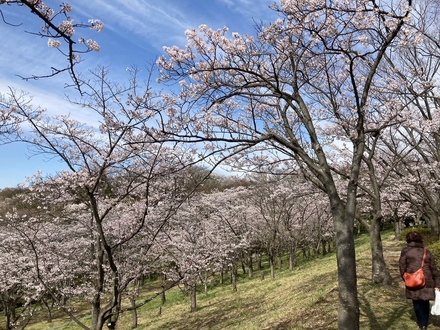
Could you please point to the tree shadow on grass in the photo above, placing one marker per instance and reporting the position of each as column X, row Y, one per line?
column 392, row 320
column 207, row 320
column 435, row 321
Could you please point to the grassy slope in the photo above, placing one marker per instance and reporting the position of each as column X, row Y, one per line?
column 303, row 299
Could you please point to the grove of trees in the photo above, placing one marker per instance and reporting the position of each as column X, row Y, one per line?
column 330, row 111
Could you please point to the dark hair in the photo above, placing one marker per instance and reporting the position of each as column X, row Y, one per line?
column 414, row 237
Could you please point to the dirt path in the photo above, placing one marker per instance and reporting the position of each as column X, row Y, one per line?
column 391, row 251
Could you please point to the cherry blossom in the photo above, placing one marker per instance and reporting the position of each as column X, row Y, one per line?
column 268, row 98
column 59, row 28
column 98, row 221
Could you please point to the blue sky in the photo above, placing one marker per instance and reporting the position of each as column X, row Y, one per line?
column 135, row 32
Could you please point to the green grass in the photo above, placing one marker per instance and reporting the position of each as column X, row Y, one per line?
column 306, row 298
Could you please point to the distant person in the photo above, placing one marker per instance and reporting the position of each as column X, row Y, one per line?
column 410, row 261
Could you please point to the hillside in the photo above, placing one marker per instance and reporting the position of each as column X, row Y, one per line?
column 303, row 299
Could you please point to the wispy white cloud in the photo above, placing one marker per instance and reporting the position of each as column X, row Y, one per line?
column 250, row 9
column 150, row 24
column 135, row 32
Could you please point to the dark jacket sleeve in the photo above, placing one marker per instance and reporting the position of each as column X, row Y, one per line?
column 434, row 270
column 402, row 261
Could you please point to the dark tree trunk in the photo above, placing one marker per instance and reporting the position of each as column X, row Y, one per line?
column 348, row 313
column 318, row 247
column 193, row 295
column 49, row 309
column 134, row 315
column 163, row 287
column 272, row 265
column 234, row 277
column 292, row 256
column 205, row 282
column 163, row 295
column 96, row 309
column 7, row 312
column 380, row 273
column 250, row 265
column 397, row 224
column 434, row 222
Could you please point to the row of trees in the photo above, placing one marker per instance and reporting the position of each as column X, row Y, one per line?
column 58, row 248
column 360, row 75
column 316, row 76
column 342, row 94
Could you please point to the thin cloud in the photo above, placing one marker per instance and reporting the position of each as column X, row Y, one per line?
column 135, row 32
column 150, row 25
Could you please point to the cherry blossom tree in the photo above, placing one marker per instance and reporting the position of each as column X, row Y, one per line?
column 373, row 184
column 206, row 235
column 15, row 279
column 235, row 221
column 273, row 211
column 217, row 230
column 396, row 209
column 417, row 63
column 286, row 94
column 374, row 179
column 191, row 250
column 10, row 121
column 294, row 214
column 276, row 204
column 314, row 221
column 59, row 29
column 102, row 214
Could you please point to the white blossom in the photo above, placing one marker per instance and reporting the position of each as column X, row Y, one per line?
column 53, row 43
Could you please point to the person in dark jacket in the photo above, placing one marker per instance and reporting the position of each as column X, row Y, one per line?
column 410, row 261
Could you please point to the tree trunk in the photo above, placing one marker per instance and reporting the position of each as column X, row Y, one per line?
column 205, row 282
column 292, row 256
column 433, row 222
column 380, row 273
column 272, row 266
column 96, row 309
column 49, row 309
column 163, row 295
column 193, row 294
column 250, row 265
column 348, row 313
column 8, row 317
column 234, row 277
column 134, row 315
column 163, row 287
column 9, row 306
column 317, row 248
column 291, row 262
column 397, row 224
